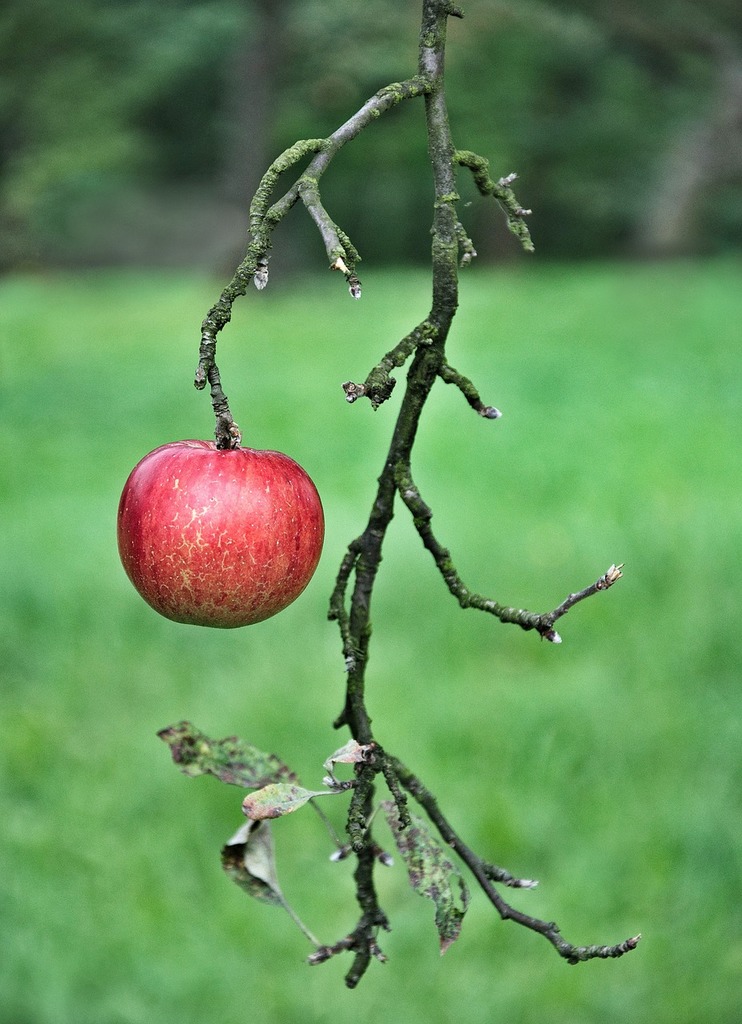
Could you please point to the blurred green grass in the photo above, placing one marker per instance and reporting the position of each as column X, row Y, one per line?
column 609, row 768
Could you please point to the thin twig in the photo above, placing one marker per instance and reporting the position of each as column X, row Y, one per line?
column 450, row 376
column 486, row 874
column 379, row 384
column 542, row 622
column 264, row 219
column 501, row 191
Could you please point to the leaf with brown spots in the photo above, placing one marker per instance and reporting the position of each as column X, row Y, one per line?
column 230, row 760
column 282, row 798
column 431, row 873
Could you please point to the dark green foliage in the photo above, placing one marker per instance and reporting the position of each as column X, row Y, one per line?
column 118, row 121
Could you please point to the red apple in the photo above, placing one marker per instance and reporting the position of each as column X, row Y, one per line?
column 219, row 538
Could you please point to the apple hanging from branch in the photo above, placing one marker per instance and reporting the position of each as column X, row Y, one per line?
column 219, row 537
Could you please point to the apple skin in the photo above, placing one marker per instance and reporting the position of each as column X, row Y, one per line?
column 219, row 538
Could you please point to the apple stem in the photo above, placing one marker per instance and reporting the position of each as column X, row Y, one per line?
column 226, row 432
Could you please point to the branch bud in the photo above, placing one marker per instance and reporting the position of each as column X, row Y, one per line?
column 342, row 853
column 353, row 391
column 260, row 277
column 609, row 578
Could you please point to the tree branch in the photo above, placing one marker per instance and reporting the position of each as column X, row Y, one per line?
column 543, row 623
column 501, row 191
column 341, row 252
column 379, row 384
column 363, row 939
column 426, row 344
column 486, row 874
column 450, row 376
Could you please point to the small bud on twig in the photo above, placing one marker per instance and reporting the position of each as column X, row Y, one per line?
column 353, row 391
column 342, row 853
column 260, row 277
column 610, row 577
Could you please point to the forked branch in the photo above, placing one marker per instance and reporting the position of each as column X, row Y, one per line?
column 424, row 347
column 425, row 344
column 266, row 215
column 487, row 874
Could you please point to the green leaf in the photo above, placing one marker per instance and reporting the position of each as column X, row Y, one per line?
column 431, row 873
column 281, row 798
column 229, row 760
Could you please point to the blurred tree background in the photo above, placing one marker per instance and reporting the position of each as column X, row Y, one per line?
column 135, row 132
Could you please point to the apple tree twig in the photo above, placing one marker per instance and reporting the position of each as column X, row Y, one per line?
column 265, row 216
